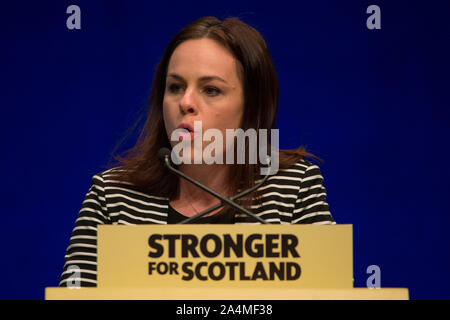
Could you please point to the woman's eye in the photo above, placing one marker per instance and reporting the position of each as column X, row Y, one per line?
column 212, row 91
column 173, row 88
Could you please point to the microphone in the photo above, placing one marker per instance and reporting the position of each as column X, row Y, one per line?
column 164, row 156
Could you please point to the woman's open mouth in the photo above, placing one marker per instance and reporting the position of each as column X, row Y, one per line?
column 186, row 134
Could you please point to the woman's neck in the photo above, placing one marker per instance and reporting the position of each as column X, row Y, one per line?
column 214, row 177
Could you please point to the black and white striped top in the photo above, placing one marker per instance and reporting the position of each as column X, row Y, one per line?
column 294, row 195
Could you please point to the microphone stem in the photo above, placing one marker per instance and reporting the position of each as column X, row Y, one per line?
column 239, row 195
column 223, row 199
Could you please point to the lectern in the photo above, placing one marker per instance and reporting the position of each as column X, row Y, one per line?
column 225, row 262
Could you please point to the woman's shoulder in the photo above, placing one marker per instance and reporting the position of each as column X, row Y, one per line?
column 291, row 179
column 301, row 169
column 112, row 182
column 111, row 175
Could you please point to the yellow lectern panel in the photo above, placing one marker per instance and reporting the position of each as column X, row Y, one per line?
column 225, row 294
column 225, row 256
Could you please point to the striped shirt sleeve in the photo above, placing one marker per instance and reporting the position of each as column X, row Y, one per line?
column 80, row 268
column 311, row 206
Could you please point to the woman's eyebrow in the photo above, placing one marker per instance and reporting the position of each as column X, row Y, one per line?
column 201, row 79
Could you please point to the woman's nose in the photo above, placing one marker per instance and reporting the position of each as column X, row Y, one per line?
column 187, row 103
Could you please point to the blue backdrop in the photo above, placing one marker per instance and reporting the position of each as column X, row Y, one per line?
column 374, row 104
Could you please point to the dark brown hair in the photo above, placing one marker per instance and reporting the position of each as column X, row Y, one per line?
column 140, row 164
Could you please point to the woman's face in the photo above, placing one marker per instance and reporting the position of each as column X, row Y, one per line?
column 202, row 84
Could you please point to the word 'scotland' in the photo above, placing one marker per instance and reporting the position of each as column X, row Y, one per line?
column 238, row 257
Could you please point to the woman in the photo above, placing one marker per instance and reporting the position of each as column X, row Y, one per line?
column 219, row 73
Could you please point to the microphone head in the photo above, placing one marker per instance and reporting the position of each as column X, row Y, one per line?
column 163, row 153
